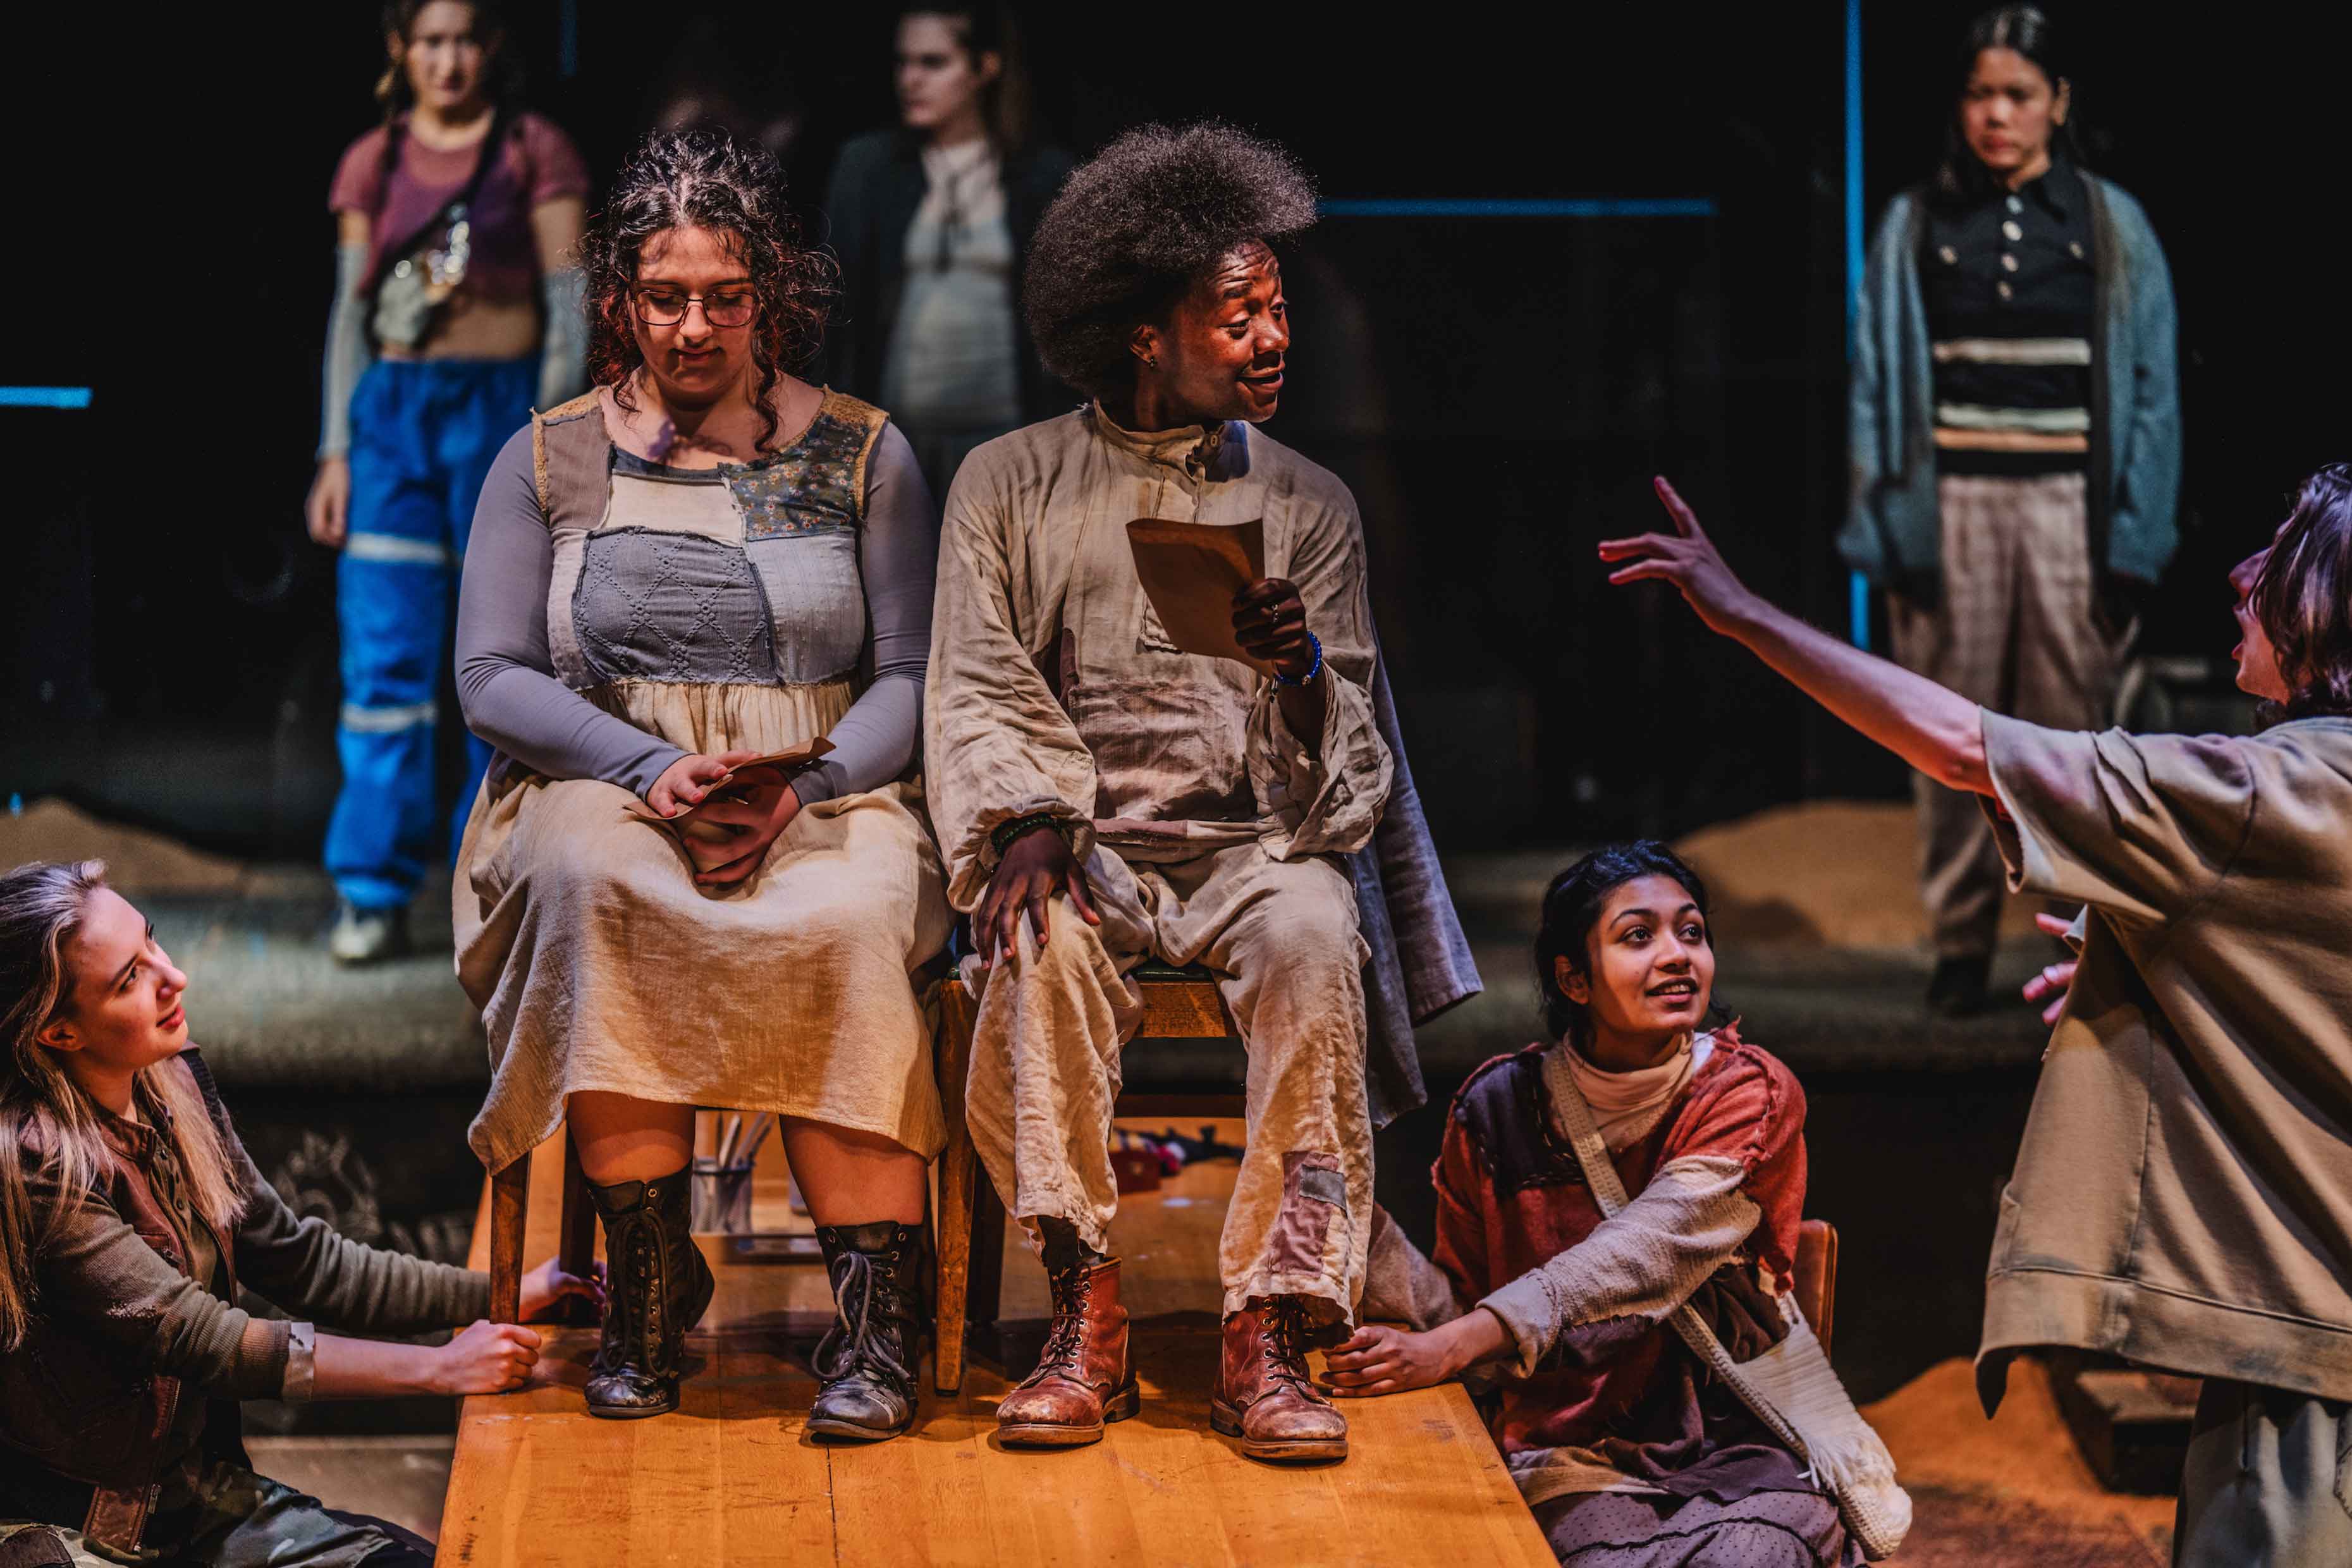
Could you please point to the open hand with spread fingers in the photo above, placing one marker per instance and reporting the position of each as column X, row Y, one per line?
column 1685, row 558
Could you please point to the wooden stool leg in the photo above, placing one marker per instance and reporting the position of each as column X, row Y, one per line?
column 509, row 1213
column 959, row 1166
column 987, row 1252
column 575, row 1246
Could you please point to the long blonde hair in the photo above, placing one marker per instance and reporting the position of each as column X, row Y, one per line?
column 48, row 1128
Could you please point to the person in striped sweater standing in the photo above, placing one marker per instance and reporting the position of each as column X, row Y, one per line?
column 2015, row 439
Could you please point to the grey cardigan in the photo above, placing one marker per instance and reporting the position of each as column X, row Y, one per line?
column 1893, row 532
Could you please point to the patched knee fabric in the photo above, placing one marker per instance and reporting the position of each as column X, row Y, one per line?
column 1281, row 937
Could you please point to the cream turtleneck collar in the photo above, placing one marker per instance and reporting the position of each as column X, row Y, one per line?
column 1626, row 1105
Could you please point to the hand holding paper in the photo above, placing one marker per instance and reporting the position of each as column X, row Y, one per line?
column 740, row 812
column 1193, row 572
column 1270, row 623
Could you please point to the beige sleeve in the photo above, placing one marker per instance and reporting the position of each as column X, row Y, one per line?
column 1327, row 801
column 996, row 744
column 1643, row 1261
column 2139, row 825
column 1401, row 1285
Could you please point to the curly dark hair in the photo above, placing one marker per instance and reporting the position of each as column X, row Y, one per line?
column 1573, row 903
column 2303, row 599
column 704, row 178
column 1136, row 226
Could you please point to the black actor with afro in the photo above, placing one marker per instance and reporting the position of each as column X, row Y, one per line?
column 1138, row 225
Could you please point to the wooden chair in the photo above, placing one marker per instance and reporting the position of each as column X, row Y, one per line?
column 1179, row 1004
column 1816, row 1287
column 575, row 1248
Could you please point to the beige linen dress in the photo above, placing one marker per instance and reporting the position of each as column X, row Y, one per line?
column 709, row 610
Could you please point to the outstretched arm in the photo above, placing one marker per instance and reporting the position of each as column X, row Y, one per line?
column 1937, row 730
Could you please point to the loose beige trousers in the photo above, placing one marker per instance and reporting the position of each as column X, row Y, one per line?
column 1045, row 1060
column 2017, row 633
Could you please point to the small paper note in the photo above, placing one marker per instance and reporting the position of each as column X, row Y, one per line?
column 737, row 783
column 1192, row 572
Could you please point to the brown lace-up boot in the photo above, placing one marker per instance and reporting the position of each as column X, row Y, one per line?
column 1264, row 1396
column 1083, row 1377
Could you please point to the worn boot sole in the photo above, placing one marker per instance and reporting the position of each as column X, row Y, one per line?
column 850, row 1431
column 631, row 1412
column 1123, row 1403
column 1226, row 1420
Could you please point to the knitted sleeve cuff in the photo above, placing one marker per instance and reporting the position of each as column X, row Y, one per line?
column 1530, row 1309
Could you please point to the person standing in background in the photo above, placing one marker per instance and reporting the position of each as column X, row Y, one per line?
column 456, row 304
column 932, row 222
column 2014, row 440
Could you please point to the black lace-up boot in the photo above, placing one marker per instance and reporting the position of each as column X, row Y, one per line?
column 657, row 1287
column 867, row 1360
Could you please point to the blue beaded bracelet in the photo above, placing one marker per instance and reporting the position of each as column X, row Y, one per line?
column 1308, row 678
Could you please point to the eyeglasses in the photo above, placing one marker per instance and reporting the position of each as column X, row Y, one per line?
column 668, row 307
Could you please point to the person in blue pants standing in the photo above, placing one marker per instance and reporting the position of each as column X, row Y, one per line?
column 456, row 309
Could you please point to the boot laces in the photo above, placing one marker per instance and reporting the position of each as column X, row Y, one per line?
column 633, row 1309
column 865, row 1346
column 1067, row 1340
column 1284, row 1345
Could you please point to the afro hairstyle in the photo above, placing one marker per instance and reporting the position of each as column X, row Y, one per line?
column 1137, row 224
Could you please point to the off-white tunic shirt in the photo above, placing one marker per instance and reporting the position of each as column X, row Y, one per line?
column 1053, row 688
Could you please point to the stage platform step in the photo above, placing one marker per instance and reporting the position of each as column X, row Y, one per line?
column 733, row 1478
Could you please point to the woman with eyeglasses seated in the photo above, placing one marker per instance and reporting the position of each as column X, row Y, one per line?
column 701, row 562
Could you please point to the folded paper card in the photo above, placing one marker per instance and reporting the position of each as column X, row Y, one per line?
column 737, row 783
column 1192, row 572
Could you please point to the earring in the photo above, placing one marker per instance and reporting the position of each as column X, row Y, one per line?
column 1151, row 361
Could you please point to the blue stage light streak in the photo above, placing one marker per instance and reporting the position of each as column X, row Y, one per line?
column 1519, row 206
column 44, row 396
column 1857, row 588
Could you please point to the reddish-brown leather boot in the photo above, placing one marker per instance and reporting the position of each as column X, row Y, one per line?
column 1083, row 1377
column 1264, row 1396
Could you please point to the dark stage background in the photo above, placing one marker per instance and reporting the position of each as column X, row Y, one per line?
column 1497, row 390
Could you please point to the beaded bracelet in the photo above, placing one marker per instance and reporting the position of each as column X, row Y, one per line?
column 1315, row 669
column 1001, row 839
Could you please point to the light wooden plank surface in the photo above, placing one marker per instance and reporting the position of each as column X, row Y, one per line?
column 733, row 1477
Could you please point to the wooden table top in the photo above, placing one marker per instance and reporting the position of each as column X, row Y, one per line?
column 733, row 1477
